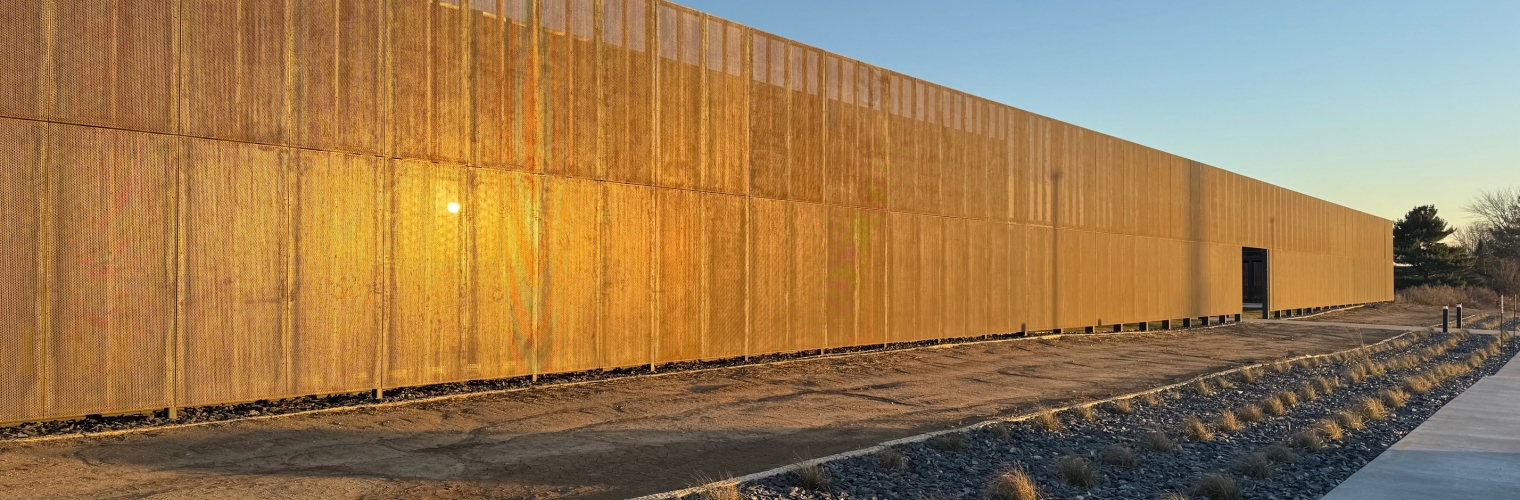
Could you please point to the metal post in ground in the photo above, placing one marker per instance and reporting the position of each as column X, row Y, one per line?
column 1459, row 316
column 1445, row 318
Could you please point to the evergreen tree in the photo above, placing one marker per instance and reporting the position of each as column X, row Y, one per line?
column 1418, row 245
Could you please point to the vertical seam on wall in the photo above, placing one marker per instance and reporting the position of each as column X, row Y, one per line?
column 652, row 44
column 182, row 157
column 536, row 61
column 287, row 164
column 46, row 236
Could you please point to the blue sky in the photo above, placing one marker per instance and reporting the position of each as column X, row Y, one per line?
column 1376, row 105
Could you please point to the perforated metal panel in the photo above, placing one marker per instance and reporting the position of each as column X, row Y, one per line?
column 216, row 201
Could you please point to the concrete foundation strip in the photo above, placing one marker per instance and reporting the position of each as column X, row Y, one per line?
column 466, row 395
column 1017, row 418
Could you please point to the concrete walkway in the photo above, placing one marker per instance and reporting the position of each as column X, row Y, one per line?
column 1469, row 449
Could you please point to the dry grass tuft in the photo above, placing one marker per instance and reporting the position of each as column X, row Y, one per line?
column 726, row 490
column 1307, row 392
column 1048, row 420
column 1289, row 398
column 1122, row 407
column 1273, row 406
column 1373, row 409
column 1248, row 375
column 1395, row 398
column 951, row 442
column 1256, row 465
column 1158, row 441
column 1283, row 366
column 1217, row 486
column 813, row 477
column 1280, row 454
column 1330, row 429
column 1122, row 456
column 1418, row 384
column 1224, row 383
column 1227, row 422
column 1172, row 495
column 1325, row 385
column 1085, row 412
column 1203, row 388
column 1077, row 471
column 1013, row 485
column 1001, row 432
column 1150, row 399
column 891, row 459
column 1196, row 431
column 1307, row 439
column 1349, row 419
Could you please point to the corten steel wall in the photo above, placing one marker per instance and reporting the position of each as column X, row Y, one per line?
column 216, row 201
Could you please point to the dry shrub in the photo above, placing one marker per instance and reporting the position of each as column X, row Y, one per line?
column 1280, row 454
column 1122, row 456
column 1085, row 412
column 1121, row 406
column 1048, row 420
column 1000, row 431
column 1330, row 430
column 1172, row 495
column 1227, row 422
column 1013, row 485
column 1249, row 413
column 1395, row 398
column 1158, row 441
column 1418, row 384
column 1224, row 383
column 1283, row 366
column 1256, row 465
column 1289, row 398
column 891, row 459
column 813, row 477
column 1150, row 399
column 1307, row 439
column 1307, row 392
column 1248, row 375
column 1356, row 374
column 1196, row 431
column 1273, row 406
column 1349, row 420
column 1203, row 388
column 1325, row 385
column 951, row 442
column 1217, row 486
column 1373, row 409
column 726, row 490
column 1077, row 471
column 1469, row 296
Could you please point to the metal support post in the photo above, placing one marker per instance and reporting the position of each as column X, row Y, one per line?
column 1445, row 319
column 1459, row 316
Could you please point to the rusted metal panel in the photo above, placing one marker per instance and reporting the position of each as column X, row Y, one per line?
column 337, row 293
column 772, row 262
column 724, row 276
column 234, row 71
column 903, row 278
column 112, row 62
column 111, row 253
column 628, row 313
column 236, row 343
column 871, row 277
column 22, row 187
column 809, row 297
column 24, row 78
column 574, row 214
column 505, row 276
column 680, row 269
column 427, row 275
column 843, row 255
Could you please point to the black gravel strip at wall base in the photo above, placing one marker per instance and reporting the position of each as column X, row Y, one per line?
column 230, row 412
column 933, row 473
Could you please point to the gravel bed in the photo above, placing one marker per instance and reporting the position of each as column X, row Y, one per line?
column 229, row 412
column 931, row 472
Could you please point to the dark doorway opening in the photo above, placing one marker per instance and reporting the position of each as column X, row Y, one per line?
column 1253, row 264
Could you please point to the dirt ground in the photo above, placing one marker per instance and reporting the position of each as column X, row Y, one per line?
column 639, row 435
column 1410, row 315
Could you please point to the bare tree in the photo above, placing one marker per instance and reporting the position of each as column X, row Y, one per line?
column 1495, row 238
